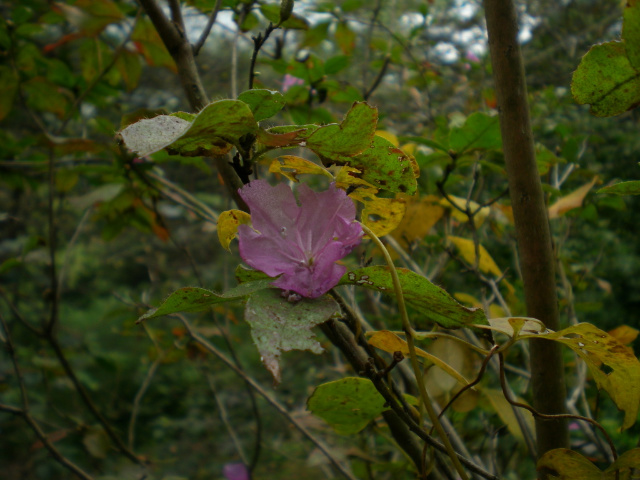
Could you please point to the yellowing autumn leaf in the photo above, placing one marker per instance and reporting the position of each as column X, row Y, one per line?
column 452, row 352
column 505, row 411
column 291, row 166
column 462, row 203
column 624, row 334
column 228, row 223
column 495, row 310
column 466, row 248
column 409, row 148
column 381, row 215
column 390, row 342
column 349, row 177
column 390, row 137
column 572, row 200
column 421, row 215
column 596, row 347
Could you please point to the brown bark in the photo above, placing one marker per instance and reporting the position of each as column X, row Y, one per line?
column 531, row 220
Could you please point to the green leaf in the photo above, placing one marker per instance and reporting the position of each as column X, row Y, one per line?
column 278, row 325
column 345, row 38
column 244, row 274
column 631, row 33
column 479, row 131
column 569, row 465
column 91, row 16
column 9, row 264
column 294, row 22
column 348, row 404
column 8, row 89
column 130, row 68
column 96, row 442
column 623, row 188
column 150, row 45
column 194, row 299
column 432, row 302
column 385, row 166
column 350, row 137
column 606, row 80
column 335, row 64
column 263, row 103
column 213, row 132
column 42, row 95
column 545, row 158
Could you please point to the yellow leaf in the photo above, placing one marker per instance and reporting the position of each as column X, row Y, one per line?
column 466, row 248
column 409, row 148
column 506, row 211
column 381, row 215
column 453, row 353
column 468, row 299
column 624, row 334
column 571, row 201
column 568, row 465
column 514, row 326
column 348, row 177
column 505, row 412
column 596, row 346
column 390, row 342
column 390, row 137
column 495, row 310
column 421, row 215
column 228, row 223
column 291, row 166
column 462, row 203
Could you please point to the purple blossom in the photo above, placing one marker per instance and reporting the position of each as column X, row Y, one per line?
column 301, row 243
column 235, row 471
column 290, row 81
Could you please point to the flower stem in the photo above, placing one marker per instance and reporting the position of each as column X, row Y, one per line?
column 410, row 334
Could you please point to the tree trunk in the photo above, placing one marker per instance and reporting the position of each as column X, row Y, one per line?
column 531, row 221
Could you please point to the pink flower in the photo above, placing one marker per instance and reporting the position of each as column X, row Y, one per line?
column 289, row 81
column 301, row 243
column 235, row 471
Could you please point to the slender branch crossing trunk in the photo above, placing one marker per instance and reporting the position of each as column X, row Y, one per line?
column 531, row 220
column 181, row 50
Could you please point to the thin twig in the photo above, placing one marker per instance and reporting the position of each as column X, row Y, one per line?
column 24, row 412
column 89, row 402
column 225, row 419
column 18, row 315
column 258, row 42
column 53, row 276
column 410, row 335
column 205, row 33
column 342, row 338
column 258, row 388
column 507, row 396
column 176, row 17
column 94, row 81
column 160, row 356
column 74, row 239
column 378, row 79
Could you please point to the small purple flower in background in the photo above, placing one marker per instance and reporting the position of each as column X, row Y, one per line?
column 235, row 471
column 301, row 243
column 472, row 57
column 289, row 81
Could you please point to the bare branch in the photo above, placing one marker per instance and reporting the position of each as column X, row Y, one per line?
column 207, row 29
